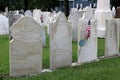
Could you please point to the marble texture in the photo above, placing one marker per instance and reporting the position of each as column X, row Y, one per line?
column 4, row 25
column 36, row 15
column 28, row 13
column 60, row 43
column 88, row 13
column 112, row 37
column 88, row 52
column 102, row 13
column 25, row 48
column 73, row 18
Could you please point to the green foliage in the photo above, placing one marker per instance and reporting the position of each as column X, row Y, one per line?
column 32, row 4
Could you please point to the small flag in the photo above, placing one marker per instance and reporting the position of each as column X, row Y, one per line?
column 88, row 30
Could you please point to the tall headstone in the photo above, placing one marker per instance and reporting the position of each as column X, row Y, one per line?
column 87, row 41
column 60, row 43
column 102, row 13
column 112, row 37
column 25, row 48
column 4, row 25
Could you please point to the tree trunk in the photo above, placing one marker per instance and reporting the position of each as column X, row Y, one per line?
column 67, row 8
column 26, row 5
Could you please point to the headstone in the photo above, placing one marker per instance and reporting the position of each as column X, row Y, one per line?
column 6, row 10
column 13, row 18
column 73, row 18
column 102, row 13
column 28, row 13
column 25, row 48
column 87, row 41
column 39, row 18
column 37, row 14
column 117, row 12
column 4, row 25
column 112, row 37
column 60, row 43
column 113, row 11
column 53, row 19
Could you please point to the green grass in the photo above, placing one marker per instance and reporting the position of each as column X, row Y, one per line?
column 101, row 47
column 108, row 69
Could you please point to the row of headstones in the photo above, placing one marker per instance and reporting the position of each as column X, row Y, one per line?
column 75, row 15
column 26, row 45
column 43, row 18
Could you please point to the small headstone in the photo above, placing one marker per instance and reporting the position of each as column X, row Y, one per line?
column 113, row 11
column 39, row 18
column 60, row 43
column 28, row 13
column 88, row 14
column 4, row 25
column 112, row 37
column 13, row 18
column 25, row 48
column 87, row 38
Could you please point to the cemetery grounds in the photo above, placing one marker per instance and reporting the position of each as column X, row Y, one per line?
column 107, row 69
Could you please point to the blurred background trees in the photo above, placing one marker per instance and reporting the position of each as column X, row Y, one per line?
column 41, row 4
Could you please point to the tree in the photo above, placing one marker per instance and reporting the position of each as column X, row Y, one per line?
column 115, row 3
column 26, row 4
column 67, row 8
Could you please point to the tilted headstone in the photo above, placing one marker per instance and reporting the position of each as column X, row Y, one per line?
column 102, row 13
column 25, row 48
column 4, row 25
column 112, row 37
column 87, row 41
column 60, row 43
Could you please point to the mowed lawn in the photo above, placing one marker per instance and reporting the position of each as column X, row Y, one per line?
column 108, row 69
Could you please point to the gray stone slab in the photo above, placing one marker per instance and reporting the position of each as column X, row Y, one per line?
column 25, row 48
column 60, row 43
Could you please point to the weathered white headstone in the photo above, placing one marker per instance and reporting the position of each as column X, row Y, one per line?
column 88, row 14
column 112, row 37
column 73, row 18
column 87, row 41
column 4, row 25
column 38, row 16
column 60, row 43
column 25, row 48
column 102, row 13
column 28, row 13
